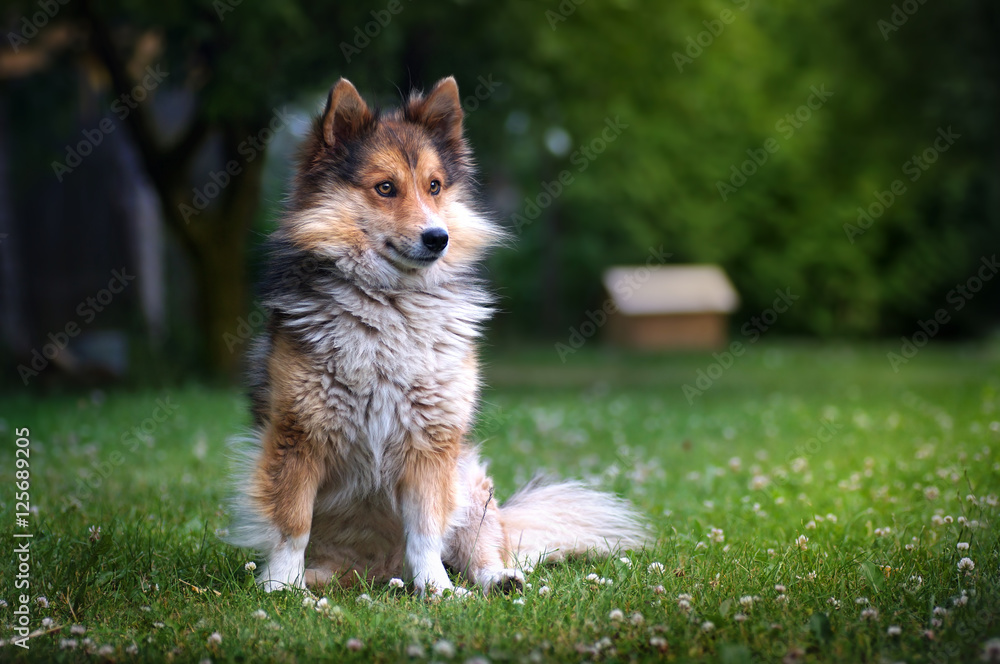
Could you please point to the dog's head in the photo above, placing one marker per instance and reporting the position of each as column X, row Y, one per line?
column 390, row 191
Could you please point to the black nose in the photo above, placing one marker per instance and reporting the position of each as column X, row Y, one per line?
column 435, row 239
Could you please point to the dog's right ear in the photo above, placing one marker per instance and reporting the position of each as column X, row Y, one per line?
column 346, row 113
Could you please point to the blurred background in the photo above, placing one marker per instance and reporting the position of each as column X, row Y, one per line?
column 845, row 152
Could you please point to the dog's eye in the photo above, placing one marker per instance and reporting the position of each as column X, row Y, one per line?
column 435, row 187
column 386, row 189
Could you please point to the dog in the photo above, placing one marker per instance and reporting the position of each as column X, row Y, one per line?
column 364, row 384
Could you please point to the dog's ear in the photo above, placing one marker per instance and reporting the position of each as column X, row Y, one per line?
column 346, row 113
column 440, row 111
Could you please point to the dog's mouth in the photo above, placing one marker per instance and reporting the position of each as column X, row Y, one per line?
column 412, row 260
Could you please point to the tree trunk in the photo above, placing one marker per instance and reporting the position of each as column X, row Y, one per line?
column 220, row 270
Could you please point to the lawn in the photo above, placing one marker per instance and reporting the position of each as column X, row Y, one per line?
column 810, row 505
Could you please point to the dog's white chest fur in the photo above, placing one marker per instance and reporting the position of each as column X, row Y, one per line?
column 395, row 367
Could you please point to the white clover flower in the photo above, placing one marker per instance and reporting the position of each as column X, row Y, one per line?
column 962, row 546
column 966, row 565
column 415, row 650
column 636, row 618
column 616, row 615
column 444, row 649
column 519, row 601
column 991, row 651
column 658, row 590
column 106, row 650
column 707, row 626
column 869, row 614
column 811, row 575
column 932, row 493
column 354, row 644
column 260, row 614
column 779, row 588
column 716, row 535
column 214, row 638
column 395, row 582
column 746, row 601
column 948, row 519
column 544, row 590
column 625, row 561
column 802, row 542
column 882, row 532
column 132, row 649
column 834, row 602
column 78, row 630
column 782, row 598
column 67, row 644
column 95, row 533
column 658, row 642
column 740, row 617
column 593, row 578
column 940, row 611
column 961, row 600
column 655, row 568
column 735, row 464
column 772, row 553
column 250, row 566
column 47, row 622
column 937, row 520
column 42, row 601
column 894, row 630
column 861, row 601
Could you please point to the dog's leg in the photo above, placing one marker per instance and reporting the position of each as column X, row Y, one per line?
column 477, row 544
column 285, row 487
column 426, row 501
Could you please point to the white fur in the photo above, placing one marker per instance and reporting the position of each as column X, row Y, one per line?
column 548, row 522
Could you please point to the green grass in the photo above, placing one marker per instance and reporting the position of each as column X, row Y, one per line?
column 159, row 579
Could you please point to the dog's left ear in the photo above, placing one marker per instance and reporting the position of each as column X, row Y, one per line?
column 440, row 111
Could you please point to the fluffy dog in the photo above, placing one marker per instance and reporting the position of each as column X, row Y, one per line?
column 364, row 385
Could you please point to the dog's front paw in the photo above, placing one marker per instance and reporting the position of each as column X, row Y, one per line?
column 432, row 588
column 505, row 580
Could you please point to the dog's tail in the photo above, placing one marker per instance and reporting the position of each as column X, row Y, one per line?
column 548, row 521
